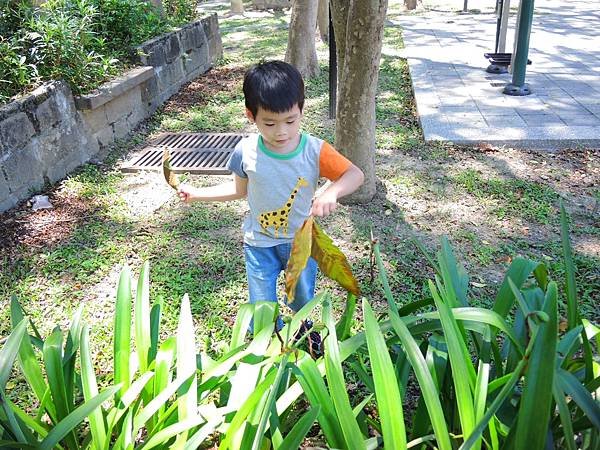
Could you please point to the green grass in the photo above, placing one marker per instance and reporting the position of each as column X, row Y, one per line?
column 513, row 197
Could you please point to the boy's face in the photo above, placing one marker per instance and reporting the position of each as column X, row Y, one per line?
column 279, row 130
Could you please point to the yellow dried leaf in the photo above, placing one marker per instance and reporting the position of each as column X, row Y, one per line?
column 332, row 261
column 170, row 176
column 299, row 254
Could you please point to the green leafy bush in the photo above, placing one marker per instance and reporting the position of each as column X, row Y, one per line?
column 84, row 42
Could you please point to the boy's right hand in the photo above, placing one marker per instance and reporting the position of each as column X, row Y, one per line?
column 185, row 193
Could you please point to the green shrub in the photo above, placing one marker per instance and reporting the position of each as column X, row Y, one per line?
column 84, row 42
column 164, row 393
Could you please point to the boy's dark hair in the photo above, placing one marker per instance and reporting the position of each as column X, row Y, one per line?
column 275, row 86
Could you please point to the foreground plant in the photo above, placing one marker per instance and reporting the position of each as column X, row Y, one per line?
column 164, row 393
column 485, row 381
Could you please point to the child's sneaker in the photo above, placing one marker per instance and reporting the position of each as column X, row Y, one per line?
column 313, row 339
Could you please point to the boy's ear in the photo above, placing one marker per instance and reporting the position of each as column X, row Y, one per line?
column 249, row 115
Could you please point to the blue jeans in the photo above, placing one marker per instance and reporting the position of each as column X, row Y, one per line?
column 263, row 266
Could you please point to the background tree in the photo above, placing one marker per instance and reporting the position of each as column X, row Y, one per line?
column 301, row 51
column 237, row 6
column 358, row 28
column 323, row 20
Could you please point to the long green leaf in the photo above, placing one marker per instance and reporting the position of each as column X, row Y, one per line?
column 186, row 366
column 343, row 326
column 565, row 415
column 142, row 317
column 459, row 363
column 163, row 368
column 572, row 309
column 90, row 390
column 590, row 406
column 535, row 405
column 27, row 359
column 519, row 270
column 9, row 352
column 242, row 322
column 199, row 436
column 297, row 434
column 268, row 407
column 66, row 425
column 428, row 388
column 178, row 428
column 335, row 377
column 250, row 404
column 122, row 338
column 316, row 392
column 387, row 392
column 509, row 382
column 483, row 373
column 54, row 371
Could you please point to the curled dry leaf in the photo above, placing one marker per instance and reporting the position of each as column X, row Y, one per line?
column 170, row 176
column 311, row 240
column 301, row 248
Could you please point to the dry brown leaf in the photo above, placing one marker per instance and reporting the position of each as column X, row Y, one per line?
column 301, row 249
column 170, row 176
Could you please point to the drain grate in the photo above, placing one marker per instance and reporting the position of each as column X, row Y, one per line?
column 195, row 153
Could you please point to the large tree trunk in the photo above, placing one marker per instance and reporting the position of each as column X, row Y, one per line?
column 237, row 6
column 301, row 51
column 358, row 27
column 323, row 20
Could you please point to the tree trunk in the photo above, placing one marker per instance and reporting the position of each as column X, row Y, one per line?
column 358, row 27
column 301, row 51
column 410, row 4
column 237, row 7
column 323, row 20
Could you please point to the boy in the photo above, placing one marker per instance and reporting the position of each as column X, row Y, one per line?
column 278, row 170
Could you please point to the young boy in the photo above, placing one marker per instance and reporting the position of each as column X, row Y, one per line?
column 278, row 171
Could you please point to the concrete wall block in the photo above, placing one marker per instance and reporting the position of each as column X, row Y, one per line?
column 121, row 128
column 122, row 106
column 213, row 35
column 172, row 48
column 105, row 137
column 16, row 131
column 95, row 119
column 170, row 75
column 195, row 59
column 193, row 37
column 4, row 186
column 24, row 170
column 152, row 53
column 49, row 114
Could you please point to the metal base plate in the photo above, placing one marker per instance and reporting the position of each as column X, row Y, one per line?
column 519, row 91
column 497, row 68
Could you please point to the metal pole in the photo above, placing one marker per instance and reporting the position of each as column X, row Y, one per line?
column 519, row 60
column 503, row 26
column 332, row 69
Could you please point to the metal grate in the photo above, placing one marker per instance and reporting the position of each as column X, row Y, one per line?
column 195, row 153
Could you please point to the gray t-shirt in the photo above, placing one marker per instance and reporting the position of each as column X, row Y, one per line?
column 280, row 187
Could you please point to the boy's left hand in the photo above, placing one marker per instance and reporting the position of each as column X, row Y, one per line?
column 324, row 204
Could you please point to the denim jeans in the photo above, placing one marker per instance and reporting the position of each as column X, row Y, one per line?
column 263, row 266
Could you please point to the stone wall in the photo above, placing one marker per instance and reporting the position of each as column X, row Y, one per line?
column 272, row 4
column 48, row 133
column 42, row 138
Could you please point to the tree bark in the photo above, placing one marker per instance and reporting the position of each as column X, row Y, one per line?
column 301, row 51
column 237, row 6
column 323, row 20
column 358, row 27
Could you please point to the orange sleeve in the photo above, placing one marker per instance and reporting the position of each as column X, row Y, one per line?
column 332, row 164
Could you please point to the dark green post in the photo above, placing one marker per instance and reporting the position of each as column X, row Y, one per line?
column 519, row 64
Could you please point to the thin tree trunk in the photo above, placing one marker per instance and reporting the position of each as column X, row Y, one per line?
column 237, row 6
column 323, row 20
column 358, row 76
column 301, row 51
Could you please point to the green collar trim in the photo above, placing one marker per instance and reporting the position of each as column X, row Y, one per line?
column 290, row 155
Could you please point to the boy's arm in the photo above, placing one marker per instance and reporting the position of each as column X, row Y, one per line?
column 232, row 190
column 326, row 203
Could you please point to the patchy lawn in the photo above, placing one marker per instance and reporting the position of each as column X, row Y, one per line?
column 492, row 203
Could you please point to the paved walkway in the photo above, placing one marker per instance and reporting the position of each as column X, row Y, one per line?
column 458, row 101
